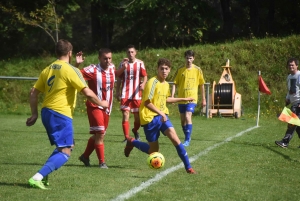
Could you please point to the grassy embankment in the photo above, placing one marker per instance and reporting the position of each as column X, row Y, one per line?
column 247, row 57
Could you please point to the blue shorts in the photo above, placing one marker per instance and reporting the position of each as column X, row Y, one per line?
column 59, row 128
column 153, row 129
column 190, row 107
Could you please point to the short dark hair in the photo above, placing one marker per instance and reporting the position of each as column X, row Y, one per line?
column 104, row 50
column 163, row 61
column 63, row 47
column 130, row 46
column 189, row 53
column 290, row 60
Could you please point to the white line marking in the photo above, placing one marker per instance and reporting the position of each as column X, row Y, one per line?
column 162, row 174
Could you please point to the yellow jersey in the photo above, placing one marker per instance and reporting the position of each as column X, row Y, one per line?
column 60, row 82
column 187, row 82
column 157, row 92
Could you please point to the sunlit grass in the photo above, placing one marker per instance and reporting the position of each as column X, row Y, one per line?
column 249, row 167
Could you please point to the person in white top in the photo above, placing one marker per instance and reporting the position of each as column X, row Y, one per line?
column 292, row 98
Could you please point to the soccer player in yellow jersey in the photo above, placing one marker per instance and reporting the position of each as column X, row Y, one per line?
column 154, row 116
column 59, row 82
column 187, row 79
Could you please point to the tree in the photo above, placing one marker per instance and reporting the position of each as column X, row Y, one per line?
column 44, row 18
column 227, row 17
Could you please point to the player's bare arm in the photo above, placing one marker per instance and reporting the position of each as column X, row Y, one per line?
column 121, row 70
column 174, row 100
column 203, row 95
column 91, row 96
column 173, row 90
column 142, row 85
column 118, row 85
column 34, row 93
column 151, row 107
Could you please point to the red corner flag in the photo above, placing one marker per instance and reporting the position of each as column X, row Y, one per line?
column 262, row 86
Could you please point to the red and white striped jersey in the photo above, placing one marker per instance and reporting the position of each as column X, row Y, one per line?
column 101, row 82
column 131, row 80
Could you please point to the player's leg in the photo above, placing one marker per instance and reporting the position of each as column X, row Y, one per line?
column 298, row 127
column 125, row 123
column 287, row 137
column 85, row 157
column 290, row 130
column 136, row 125
column 152, row 133
column 100, row 124
column 125, row 108
column 190, row 109
column 170, row 132
column 153, row 147
column 188, row 127
column 183, row 121
column 60, row 132
column 182, row 109
column 99, row 148
column 134, row 105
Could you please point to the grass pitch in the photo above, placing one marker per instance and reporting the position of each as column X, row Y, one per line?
column 247, row 167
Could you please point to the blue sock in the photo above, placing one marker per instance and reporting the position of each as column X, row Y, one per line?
column 55, row 161
column 143, row 146
column 183, row 156
column 189, row 128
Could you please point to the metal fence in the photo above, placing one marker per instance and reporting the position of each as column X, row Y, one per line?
column 35, row 78
column 18, row 78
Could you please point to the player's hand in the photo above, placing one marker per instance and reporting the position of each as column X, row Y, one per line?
column 125, row 60
column 104, row 104
column 79, row 57
column 164, row 117
column 31, row 120
column 203, row 103
column 125, row 63
column 142, row 86
column 190, row 99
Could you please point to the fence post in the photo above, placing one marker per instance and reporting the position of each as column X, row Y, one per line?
column 207, row 98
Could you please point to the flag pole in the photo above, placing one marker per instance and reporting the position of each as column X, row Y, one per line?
column 258, row 107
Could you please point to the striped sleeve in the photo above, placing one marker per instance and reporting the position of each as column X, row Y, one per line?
column 152, row 90
column 77, row 79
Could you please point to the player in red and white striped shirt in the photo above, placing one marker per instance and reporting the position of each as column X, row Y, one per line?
column 100, row 78
column 130, row 92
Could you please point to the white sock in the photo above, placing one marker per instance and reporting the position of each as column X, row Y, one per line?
column 37, row 177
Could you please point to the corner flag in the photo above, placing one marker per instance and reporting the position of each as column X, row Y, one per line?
column 262, row 86
column 288, row 116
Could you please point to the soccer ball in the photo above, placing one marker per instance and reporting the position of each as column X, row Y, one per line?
column 156, row 160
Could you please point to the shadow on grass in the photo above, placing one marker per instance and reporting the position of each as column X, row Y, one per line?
column 24, row 185
column 95, row 166
column 281, row 154
column 23, row 131
column 270, row 148
column 66, row 165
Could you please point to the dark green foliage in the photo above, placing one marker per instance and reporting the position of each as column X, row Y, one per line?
column 90, row 25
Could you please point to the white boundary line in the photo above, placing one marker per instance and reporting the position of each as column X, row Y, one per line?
column 162, row 174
